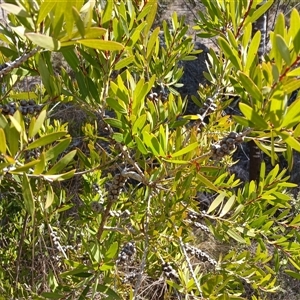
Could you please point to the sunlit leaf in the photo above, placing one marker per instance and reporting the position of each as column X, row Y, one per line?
column 228, row 205
column 2, row 142
column 46, row 139
column 44, row 41
column 216, row 203
column 185, row 150
column 253, row 116
column 101, row 44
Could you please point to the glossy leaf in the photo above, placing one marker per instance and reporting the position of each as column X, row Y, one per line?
column 292, row 116
column 45, row 8
column 46, row 139
column 53, row 152
column 101, row 44
column 185, row 150
column 49, row 197
column 251, row 88
column 290, row 140
column 44, row 41
column 230, row 53
column 216, row 203
column 38, row 123
column 283, row 49
column 62, row 163
column 228, row 205
column 2, row 141
column 253, row 116
column 294, row 72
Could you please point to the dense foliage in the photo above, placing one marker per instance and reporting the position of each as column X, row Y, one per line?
column 103, row 175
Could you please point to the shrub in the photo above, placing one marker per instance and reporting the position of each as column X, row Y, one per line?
column 136, row 167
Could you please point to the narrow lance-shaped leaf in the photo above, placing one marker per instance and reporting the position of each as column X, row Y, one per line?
column 283, row 49
column 228, row 205
column 37, row 124
column 251, row 88
column 44, row 41
column 230, row 53
column 253, row 116
column 46, row 139
column 28, row 196
column 62, row 163
column 49, row 197
column 185, row 150
column 45, row 8
column 101, row 44
column 216, row 203
column 290, row 140
column 2, row 141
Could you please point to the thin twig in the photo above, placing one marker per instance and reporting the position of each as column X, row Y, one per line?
column 146, row 249
column 9, row 66
column 190, row 267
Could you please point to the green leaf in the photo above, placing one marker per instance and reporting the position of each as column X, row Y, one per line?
column 25, row 95
column 230, row 53
column 28, row 196
column 293, row 274
column 138, row 125
column 79, row 23
column 107, row 14
column 150, row 16
column 101, row 44
column 54, row 151
column 236, row 236
column 228, row 205
column 252, row 51
column 71, row 58
column 12, row 140
column 95, row 32
column 62, row 163
column 44, row 41
column 16, row 124
column 253, row 116
column 207, row 182
column 152, row 41
column 40, row 166
column 290, row 140
column 44, row 9
column 59, row 177
column 292, row 85
column 115, row 105
column 49, row 197
column 2, row 141
column 283, row 49
column 152, row 143
column 292, row 116
column 251, row 88
column 111, row 252
column 216, row 203
column 37, row 124
column 185, row 150
column 114, row 123
column 124, row 62
column 140, row 145
column 50, row 295
column 46, row 139
column 295, row 72
column 24, row 168
column 259, row 11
